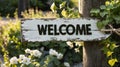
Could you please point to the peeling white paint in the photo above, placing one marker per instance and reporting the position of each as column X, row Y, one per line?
column 30, row 31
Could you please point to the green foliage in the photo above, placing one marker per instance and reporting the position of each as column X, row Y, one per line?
column 75, row 2
column 8, row 7
column 41, row 4
column 10, row 43
column 108, row 13
column 64, row 11
column 35, row 58
column 35, row 13
column 53, row 7
column 60, row 47
column 109, row 50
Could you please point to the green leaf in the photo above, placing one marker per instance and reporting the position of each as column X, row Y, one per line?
column 56, row 62
column 100, row 25
column 102, row 7
column 50, row 65
column 105, row 50
column 102, row 14
column 105, row 22
column 95, row 11
column 109, row 53
column 113, row 46
column 30, row 65
column 63, row 45
column 117, row 18
column 53, row 7
column 112, row 62
column 62, row 5
column 109, row 7
column 46, row 43
column 64, row 13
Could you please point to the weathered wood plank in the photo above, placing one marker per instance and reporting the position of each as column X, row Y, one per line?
column 31, row 33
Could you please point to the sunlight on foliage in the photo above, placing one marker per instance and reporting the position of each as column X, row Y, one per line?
column 35, row 13
column 64, row 11
column 109, row 13
column 53, row 7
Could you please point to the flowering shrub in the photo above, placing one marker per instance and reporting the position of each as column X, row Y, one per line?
column 35, row 58
column 71, row 55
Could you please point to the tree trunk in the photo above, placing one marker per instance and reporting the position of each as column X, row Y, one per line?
column 22, row 6
column 86, row 5
column 92, row 53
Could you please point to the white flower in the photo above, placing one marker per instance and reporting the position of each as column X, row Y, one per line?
column 77, row 50
column 60, row 56
column 27, row 50
column 13, row 60
column 26, row 61
column 53, row 52
column 21, row 57
column 42, row 48
column 36, row 53
column 66, row 64
column 69, row 43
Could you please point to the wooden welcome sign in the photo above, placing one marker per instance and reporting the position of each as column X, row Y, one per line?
column 61, row 30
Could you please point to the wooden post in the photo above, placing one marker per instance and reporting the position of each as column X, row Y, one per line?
column 86, row 5
column 92, row 53
column 22, row 6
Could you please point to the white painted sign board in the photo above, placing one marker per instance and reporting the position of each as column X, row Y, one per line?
column 61, row 30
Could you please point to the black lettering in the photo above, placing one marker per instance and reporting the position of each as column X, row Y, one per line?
column 55, row 30
column 88, row 29
column 70, row 32
column 80, row 30
column 50, row 29
column 60, row 29
column 42, row 29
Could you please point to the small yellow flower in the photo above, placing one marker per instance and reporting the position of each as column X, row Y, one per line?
column 107, row 3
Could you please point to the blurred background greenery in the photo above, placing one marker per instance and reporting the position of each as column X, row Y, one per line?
column 10, row 6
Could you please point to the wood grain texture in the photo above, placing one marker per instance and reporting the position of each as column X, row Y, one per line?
column 30, row 30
